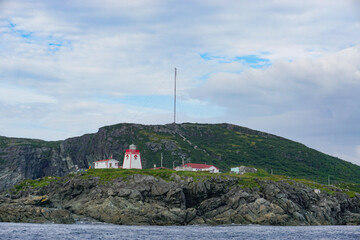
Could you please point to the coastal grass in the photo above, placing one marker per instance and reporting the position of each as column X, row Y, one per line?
column 247, row 180
column 106, row 175
column 35, row 183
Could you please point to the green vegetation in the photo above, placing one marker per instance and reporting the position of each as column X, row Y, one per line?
column 29, row 183
column 248, row 180
column 8, row 142
column 222, row 145
column 350, row 188
column 226, row 146
column 241, row 146
column 107, row 175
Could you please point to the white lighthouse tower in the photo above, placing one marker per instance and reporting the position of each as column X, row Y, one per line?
column 132, row 158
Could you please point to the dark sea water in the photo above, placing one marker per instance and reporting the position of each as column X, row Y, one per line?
column 108, row 231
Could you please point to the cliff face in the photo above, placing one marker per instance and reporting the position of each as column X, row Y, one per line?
column 31, row 159
column 223, row 145
column 147, row 200
column 20, row 162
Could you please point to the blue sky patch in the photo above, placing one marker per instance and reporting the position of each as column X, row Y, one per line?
column 12, row 25
column 55, row 44
column 258, row 66
column 206, row 56
column 251, row 59
column 254, row 61
column 22, row 33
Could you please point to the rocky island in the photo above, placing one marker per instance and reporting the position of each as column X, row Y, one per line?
column 166, row 197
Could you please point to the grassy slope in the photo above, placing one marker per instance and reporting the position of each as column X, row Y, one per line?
column 285, row 157
column 229, row 146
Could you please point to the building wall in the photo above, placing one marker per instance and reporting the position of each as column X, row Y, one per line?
column 102, row 164
column 112, row 163
column 243, row 169
column 132, row 160
column 211, row 169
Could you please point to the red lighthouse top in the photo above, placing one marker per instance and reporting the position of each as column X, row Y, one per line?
column 132, row 149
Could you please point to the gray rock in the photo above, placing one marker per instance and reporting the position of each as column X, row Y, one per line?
column 146, row 200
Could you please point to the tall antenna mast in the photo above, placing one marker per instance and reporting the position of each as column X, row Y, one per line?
column 175, row 99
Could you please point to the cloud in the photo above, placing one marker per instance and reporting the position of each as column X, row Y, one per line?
column 309, row 100
column 300, row 83
column 16, row 96
column 274, row 65
column 358, row 151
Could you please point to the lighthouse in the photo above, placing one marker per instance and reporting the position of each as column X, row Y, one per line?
column 132, row 158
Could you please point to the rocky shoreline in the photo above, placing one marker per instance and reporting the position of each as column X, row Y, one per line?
column 147, row 200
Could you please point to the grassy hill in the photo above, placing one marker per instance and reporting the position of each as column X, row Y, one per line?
column 223, row 145
column 227, row 146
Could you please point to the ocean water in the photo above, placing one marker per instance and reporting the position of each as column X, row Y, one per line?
column 26, row 231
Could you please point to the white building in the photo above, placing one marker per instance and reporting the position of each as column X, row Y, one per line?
column 243, row 169
column 107, row 163
column 132, row 158
column 197, row 167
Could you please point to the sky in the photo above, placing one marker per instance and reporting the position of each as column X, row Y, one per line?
column 290, row 68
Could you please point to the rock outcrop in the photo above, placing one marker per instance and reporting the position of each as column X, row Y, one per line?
column 146, row 200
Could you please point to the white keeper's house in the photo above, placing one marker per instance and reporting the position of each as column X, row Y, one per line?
column 107, row 163
column 197, row 167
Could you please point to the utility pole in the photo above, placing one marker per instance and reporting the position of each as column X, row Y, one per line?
column 161, row 160
column 175, row 98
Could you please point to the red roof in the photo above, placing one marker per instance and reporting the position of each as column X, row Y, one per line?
column 198, row 165
column 105, row 160
column 102, row 160
column 132, row 151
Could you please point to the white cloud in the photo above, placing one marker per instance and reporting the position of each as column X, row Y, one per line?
column 309, row 100
column 57, row 57
column 16, row 96
column 358, row 151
